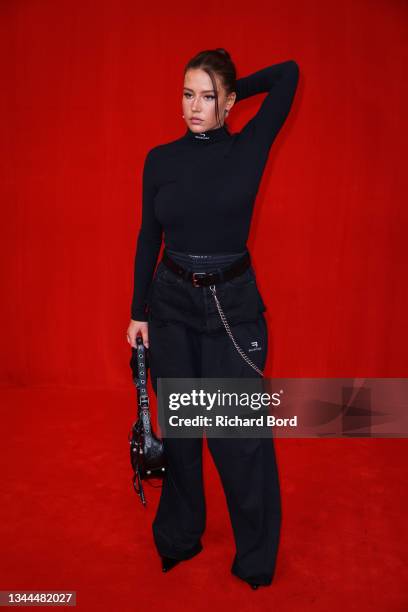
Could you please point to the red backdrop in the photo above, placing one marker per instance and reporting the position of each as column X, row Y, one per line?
column 88, row 87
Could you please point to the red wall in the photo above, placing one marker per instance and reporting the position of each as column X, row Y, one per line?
column 89, row 87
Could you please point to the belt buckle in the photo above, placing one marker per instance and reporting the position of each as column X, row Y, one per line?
column 195, row 280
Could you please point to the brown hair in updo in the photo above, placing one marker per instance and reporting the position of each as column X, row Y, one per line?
column 216, row 61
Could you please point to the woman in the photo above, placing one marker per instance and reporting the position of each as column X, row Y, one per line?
column 200, row 191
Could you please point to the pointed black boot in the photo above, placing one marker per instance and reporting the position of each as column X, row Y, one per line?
column 168, row 563
column 253, row 585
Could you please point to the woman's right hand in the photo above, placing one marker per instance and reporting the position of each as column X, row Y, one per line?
column 136, row 327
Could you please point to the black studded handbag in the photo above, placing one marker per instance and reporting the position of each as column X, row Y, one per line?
column 146, row 449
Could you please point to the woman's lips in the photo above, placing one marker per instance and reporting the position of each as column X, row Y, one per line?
column 194, row 120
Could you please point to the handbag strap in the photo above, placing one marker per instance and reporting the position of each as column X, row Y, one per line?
column 139, row 366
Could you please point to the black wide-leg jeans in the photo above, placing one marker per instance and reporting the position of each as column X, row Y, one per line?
column 188, row 339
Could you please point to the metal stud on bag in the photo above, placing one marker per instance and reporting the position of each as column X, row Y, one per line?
column 227, row 327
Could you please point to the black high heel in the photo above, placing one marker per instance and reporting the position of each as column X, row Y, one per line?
column 168, row 563
column 253, row 585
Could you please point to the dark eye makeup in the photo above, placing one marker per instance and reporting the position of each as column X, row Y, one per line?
column 211, row 96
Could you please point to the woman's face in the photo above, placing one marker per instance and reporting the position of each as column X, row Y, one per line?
column 199, row 101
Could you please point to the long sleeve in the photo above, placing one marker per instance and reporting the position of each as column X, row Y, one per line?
column 280, row 82
column 148, row 243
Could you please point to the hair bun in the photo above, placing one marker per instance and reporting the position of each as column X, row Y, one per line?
column 223, row 52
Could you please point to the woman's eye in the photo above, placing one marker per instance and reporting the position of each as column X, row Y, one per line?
column 209, row 96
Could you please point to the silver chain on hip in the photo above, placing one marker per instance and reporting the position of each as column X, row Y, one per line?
column 227, row 327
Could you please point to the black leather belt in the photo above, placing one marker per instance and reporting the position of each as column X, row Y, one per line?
column 204, row 279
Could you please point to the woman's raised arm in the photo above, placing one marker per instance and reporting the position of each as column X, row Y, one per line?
column 280, row 82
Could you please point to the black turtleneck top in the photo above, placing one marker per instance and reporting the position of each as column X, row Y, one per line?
column 200, row 189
